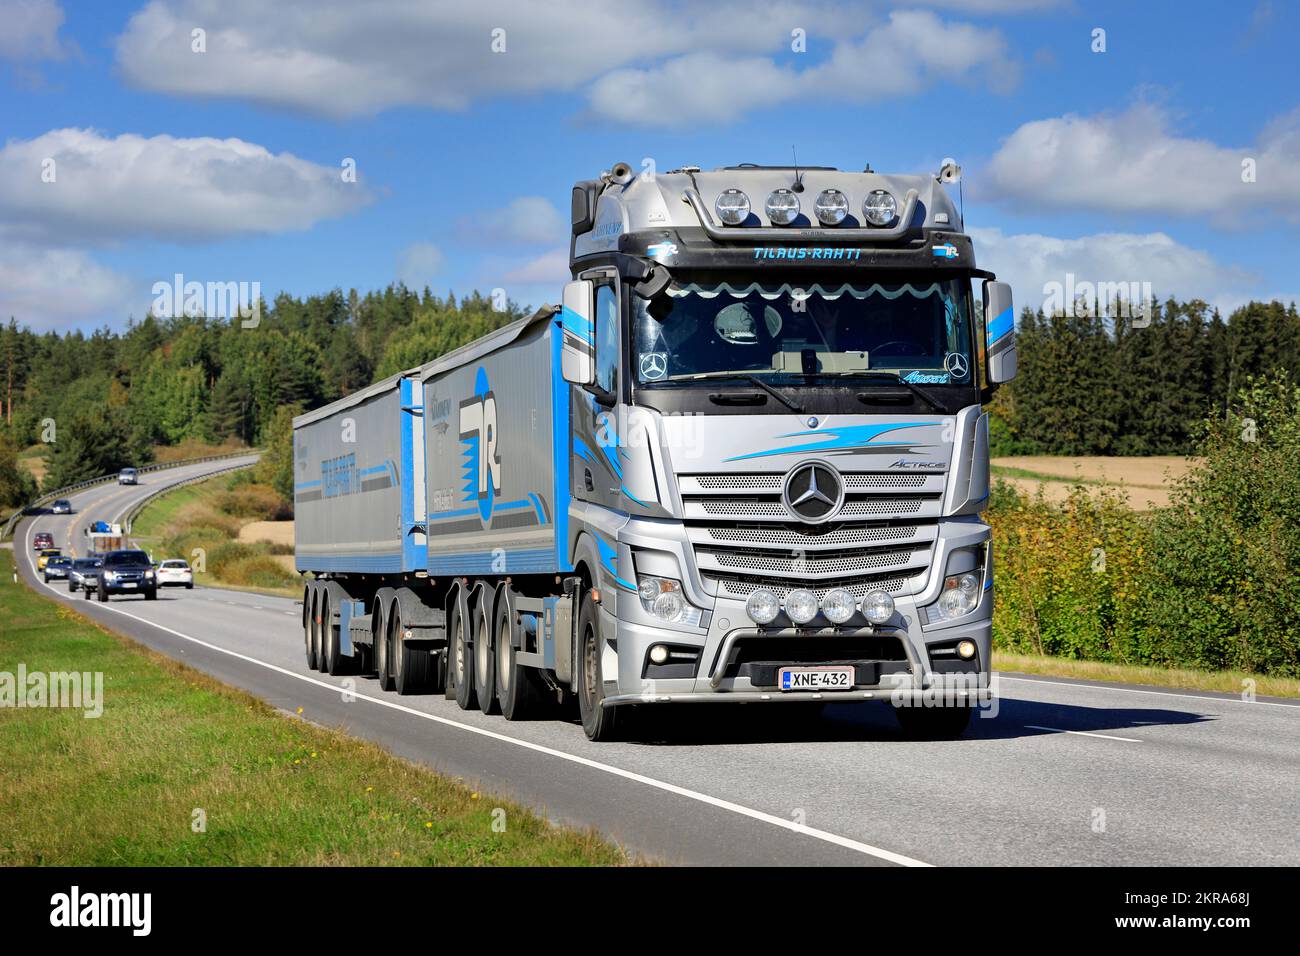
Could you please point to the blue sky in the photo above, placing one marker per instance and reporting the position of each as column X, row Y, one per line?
column 223, row 164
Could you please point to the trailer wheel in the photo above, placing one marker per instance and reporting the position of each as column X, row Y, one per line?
column 334, row 663
column 933, row 723
column 412, row 666
column 313, row 628
column 460, row 668
column 518, row 690
column 598, row 722
column 485, row 670
column 383, row 652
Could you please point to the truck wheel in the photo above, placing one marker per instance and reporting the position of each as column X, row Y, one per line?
column 485, row 669
column 412, row 666
column 313, row 629
column 332, row 660
column 102, row 594
column 518, row 691
column 597, row 721
column 383, row 649
column 460, row 669
column 933, row 723
column 85, row 593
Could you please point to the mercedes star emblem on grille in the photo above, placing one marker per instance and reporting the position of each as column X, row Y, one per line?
column 813, row 491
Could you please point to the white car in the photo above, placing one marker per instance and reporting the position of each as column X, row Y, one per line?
column 174, row 573
column 127, row 476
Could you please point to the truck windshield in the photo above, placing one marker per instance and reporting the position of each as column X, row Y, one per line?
column 915, row 330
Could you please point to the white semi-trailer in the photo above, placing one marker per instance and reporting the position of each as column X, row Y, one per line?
column 744, row 460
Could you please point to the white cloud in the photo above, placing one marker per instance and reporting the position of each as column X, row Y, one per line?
column 1134, row 162
column 162, row 187
column 529, row 220
column 1029, row 262
column 57, row 288
column 29, row 30
column 343, row 59
column 551, row 268
column 418, row 263
column 911, row 52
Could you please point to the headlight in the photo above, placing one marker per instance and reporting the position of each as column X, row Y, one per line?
column 782, row 207
column 880, row 207
column 960, row 595
column 110, row 575
column 762, row 606
column 732, row 207
column 838, row 605
column 831, row 207
column 662, row 598
column 877, row 607
column 801, row 606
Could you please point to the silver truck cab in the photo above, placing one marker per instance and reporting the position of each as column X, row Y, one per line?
column 782, row 371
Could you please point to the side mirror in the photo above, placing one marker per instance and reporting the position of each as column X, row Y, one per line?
column 577, row 325
column 999, row 332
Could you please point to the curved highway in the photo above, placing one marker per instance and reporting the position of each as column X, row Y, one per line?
column 1065, row 773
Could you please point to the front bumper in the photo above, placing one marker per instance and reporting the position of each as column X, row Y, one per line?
column 898, row 662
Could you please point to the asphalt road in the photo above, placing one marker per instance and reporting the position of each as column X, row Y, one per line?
column 1067, row 773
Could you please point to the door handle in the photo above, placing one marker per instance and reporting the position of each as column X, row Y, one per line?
column 588, row 482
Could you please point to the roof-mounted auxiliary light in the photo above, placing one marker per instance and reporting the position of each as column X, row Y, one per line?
column 732, row 207
column 880, row 208
column 782, row 207
column 831, row 207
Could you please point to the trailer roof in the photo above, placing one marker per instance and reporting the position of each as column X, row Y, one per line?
column 463, row 355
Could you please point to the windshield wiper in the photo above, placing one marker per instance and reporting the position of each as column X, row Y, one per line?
column 745, row 376
column 895, row 379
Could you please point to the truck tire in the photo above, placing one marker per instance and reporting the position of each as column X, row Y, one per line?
column 485, row 669
column 519, row 690
column 332, row 660
column 460, row 663
column 313, row 628
column 933, row 723
column 102, row 594
column 598, row 722
column 412, row 666
column 85, row 593
column 383, row 649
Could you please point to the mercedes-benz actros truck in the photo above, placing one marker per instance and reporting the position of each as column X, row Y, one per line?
column 743, row 460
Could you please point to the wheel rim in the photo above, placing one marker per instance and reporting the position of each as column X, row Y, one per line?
column 589, row 666
column 504, row 670
column 459, row 655
column 482, row 653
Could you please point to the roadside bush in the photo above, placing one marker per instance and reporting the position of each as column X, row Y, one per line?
column 258, row 570
column 1067, row 576
column 257, row 501
column 1224, row 590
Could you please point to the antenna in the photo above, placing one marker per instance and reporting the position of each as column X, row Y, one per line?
column 798, row 176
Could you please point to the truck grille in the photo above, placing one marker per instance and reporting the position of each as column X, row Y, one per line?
column 744, row 537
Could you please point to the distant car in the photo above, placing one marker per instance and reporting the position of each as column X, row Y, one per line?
column 127, row 572
column 127, row 476
column 56, row 568
column 82, row 574
column 175, row 572
column 42, row 540
column 61, row 507
column 43, row 558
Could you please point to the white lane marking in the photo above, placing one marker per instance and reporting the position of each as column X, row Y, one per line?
column 1157, row 693
column 1083, row 733
column 823, row 835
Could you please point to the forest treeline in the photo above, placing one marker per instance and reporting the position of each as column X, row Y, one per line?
column 1086, row 385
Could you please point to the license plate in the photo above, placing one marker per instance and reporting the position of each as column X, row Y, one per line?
column 815, row 678
column 128, row 584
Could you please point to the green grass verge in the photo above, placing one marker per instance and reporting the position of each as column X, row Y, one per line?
column 162, row 511
column 1230, row 682
column 122, row 789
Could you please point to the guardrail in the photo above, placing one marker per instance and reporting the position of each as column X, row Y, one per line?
column 57, row 493
column 133, row 512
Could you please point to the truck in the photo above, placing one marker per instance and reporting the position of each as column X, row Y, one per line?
column 743, row 460
column 103, row 537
